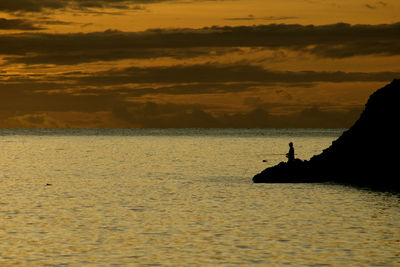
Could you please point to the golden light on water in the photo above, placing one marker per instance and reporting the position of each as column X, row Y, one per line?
column 184, row 197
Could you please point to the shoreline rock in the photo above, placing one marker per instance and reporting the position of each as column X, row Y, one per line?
column 367, row 154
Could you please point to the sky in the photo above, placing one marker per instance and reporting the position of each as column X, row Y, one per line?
column 193, row 63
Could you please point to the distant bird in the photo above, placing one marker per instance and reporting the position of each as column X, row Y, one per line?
column 48, row 184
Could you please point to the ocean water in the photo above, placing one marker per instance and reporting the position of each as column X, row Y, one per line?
column 182, row 198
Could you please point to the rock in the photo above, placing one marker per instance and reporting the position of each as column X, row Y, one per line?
column 366, row 154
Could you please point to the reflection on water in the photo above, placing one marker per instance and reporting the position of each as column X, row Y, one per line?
column 166, row 198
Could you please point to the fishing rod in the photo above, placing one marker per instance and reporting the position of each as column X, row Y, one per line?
column 276, row 154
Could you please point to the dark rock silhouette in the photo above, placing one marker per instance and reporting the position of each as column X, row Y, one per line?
column 367, row 154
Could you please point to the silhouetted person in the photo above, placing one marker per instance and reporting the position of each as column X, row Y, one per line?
column 290, row 154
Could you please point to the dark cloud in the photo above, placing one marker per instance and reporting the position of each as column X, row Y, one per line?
column 307, row 117
column 71, row 56
column 168, row 115
column 333, row 41
column 17, row 24
column 39, row 120
column 25, row 101
column 251, row 18
column 111, row 92
column 183, row 80
column 154, row 115
column 54, row 22
column 40, row 5
column 212, row 73
column 370, row 6
column 379, row 4
column 177, row 89
column 30, row 5
column 150, row 115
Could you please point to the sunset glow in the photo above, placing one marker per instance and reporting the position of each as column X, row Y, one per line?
column 166, row 63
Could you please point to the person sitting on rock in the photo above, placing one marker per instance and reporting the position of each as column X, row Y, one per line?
column 290, row 154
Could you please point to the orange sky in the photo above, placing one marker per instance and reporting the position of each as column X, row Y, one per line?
column 166, row 63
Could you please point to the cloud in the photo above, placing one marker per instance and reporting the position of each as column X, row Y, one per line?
column 113, row 92
column 212, row 73
column 30, row 5
column 153, row 115
column 251, row 18
column 378, row 4
column 169, row 115
column 370, row 6
column 35, row 120
column 330, row 41
column 54, row 22
column 17, row 24
column 180, row 80
column 150, row 115
column 40, row 5
column 117, row 92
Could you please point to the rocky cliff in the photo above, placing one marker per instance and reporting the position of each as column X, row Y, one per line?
column 366, row 154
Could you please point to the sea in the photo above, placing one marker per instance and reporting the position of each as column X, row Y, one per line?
column 182, row 197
